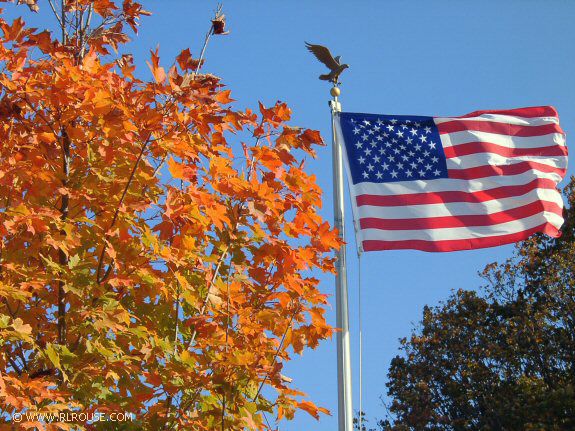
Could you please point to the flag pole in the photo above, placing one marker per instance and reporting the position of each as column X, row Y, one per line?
column 345, row 410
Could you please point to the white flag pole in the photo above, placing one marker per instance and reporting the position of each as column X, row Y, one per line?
column 345, row 410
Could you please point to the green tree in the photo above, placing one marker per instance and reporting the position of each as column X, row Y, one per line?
column 502, row 358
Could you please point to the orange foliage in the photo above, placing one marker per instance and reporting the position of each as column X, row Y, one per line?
column 155, row 244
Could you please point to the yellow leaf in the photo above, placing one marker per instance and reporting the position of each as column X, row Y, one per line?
column 21, row 327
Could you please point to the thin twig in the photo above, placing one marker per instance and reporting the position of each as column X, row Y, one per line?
column 99, row 278
column 56, row 14
column 207, row 298
column 276, row 354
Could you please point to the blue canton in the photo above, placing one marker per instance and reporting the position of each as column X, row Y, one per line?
column 385, row 148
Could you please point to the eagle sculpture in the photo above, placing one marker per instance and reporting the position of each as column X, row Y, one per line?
column 324, row 55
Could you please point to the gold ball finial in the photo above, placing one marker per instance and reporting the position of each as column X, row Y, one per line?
column 335, row 91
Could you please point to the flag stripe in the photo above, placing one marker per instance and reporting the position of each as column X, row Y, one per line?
column 427, row 198
column 459, row 244
column 488, row 147
column 499, row 128
column 525, row 121
column 531, row 112
column 457, row 208
column 491, row 159
column 467, row 232
column 449, row 184
column 514, row 169
column 457, row 138
column 454, row 221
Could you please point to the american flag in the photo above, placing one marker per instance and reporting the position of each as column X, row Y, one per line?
column 443, row 184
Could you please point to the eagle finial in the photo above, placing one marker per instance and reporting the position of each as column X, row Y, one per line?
column 323, row 54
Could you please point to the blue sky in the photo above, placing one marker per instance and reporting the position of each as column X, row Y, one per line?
column 436, row 58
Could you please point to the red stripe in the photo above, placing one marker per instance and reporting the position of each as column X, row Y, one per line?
column 530, row 112
column 493, row 170
column 462, row 220
column 499, row 128
column 487, row 147
column 455, row 196
column 460, row 244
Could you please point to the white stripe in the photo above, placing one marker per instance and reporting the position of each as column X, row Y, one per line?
column 508, row 119
column 466, row 136
column 459, row 208
column 483, row 159
column 449, row 184
column 463, row 232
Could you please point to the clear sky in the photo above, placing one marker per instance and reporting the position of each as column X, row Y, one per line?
column 436, row 58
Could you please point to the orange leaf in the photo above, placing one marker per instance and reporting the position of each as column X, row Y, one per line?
column 158, row 71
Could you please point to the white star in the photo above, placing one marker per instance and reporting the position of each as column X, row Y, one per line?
column 390, row 127
column 370, row 167
column 356, row 131
column 367, row 123
column 411, row 154
column 381, row 151
column 405, row 158
column 432, row 145
column 376, row 128
column 421, row 173
column 386, row 134
column 361, row 160
column 408, row 121
column 409, row 140
column 419, row 160
column 385, row 167
column 408, row 173
column 391, row 158
column 417, row 147
column 393, row 121
column 379, row 122
column 403, row 147
column 359, row 144
column 435, row 160
column 404, row 126
column 426, row 153
column 428, row 167
column 376, row 159
column 400, row 134
column 400, row 166
column 365, row 175
column 413, row 165
column 436, row 172
column 393, row 174
column 388, row 144
column 379, row 175
column 370, row 131
column 417, row 124
column 413, row 132
column 379, row 138
column 367, row 151
column 373, row 143
column 428, row 129
column 394, row 141
column 423, row 138
column 396, row 150
column 364, row 137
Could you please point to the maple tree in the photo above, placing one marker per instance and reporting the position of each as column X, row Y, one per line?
column 157, row 246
